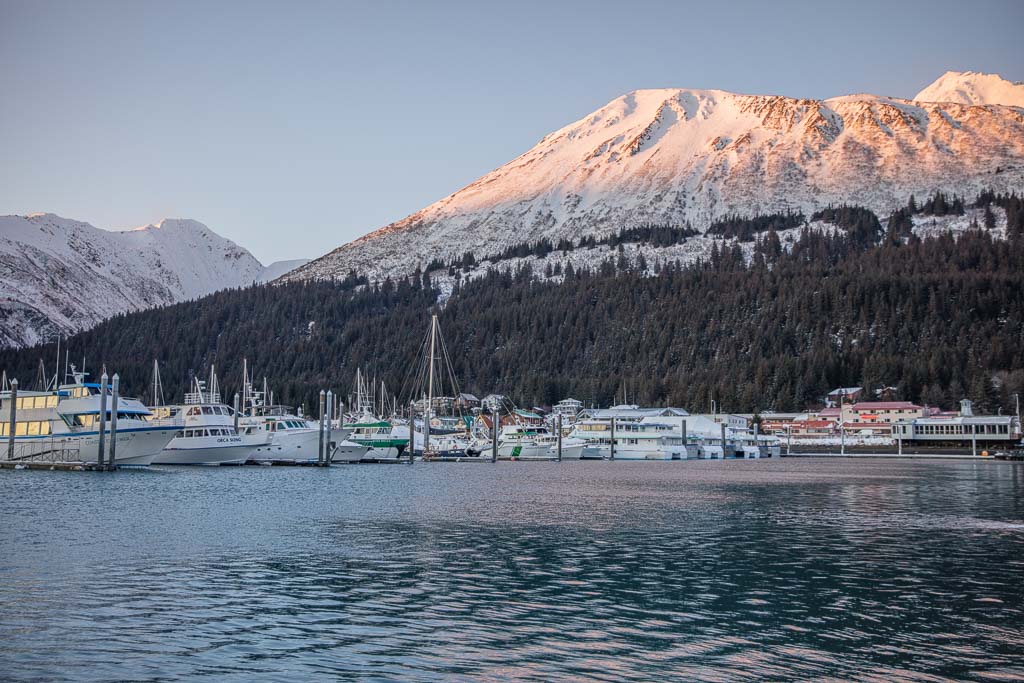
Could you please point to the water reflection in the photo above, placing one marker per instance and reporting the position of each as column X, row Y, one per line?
column 791, row 569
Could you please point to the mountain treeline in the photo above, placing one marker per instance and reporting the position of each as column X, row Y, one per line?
column 939, row 319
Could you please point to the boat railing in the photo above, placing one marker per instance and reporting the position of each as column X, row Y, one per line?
column 46, row 450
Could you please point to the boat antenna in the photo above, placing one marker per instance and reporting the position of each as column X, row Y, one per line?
column 56, row 367
column 158, row 389
column 3, row 383
column 41, row 383
column 67, row 357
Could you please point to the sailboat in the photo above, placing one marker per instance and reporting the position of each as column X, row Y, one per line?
column 451, row 438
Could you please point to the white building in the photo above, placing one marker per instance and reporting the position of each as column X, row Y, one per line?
column 567, row 407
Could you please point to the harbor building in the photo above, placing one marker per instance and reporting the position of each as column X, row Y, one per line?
column 961, row 430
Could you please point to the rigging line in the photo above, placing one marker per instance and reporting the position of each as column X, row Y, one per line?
column 412, row 374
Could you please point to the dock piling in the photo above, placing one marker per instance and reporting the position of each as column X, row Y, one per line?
column 14, row 415
column 558, row 426
column 102, row 417
column 320, row 451
column 494, row 437
column 412, row 431
column 327, row 435
column 115, row 390
column 686, row 450
column 723, row 440
column 236, row 412
column 611, row 441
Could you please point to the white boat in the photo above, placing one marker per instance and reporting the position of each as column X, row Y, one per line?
column 645, row 439
column 207, row 434
column 292, row 438
column 63, row 425
column 529, row 442
column 349, row 451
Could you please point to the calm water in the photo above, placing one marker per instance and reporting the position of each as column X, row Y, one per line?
column 791, row 569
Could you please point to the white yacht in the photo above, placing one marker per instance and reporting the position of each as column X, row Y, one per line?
column 293, row 439
column 639, row 440
column 530, row 442
column 63, row 424
column 207, row 434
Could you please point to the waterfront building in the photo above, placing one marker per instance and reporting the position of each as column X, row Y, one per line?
column 885, row 412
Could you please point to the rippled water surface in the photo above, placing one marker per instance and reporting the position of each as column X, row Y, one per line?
column 785, row 569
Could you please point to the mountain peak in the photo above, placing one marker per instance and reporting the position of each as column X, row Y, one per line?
column 680, row 156
column 973, row 88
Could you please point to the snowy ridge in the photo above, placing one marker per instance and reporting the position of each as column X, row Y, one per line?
column 60, row 276
column 674, row 156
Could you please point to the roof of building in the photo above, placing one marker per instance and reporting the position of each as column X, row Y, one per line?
column 966, row 419
column 868, row 406
column 844, row 391
column 635, row 412
column 468, row 397
column 829, row 412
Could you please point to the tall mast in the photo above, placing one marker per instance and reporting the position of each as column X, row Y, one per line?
column 245, row 384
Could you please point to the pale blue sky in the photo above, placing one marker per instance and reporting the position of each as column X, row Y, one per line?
column 292, row 128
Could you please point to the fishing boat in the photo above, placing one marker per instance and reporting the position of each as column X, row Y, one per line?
column 382, row 439
column 63, row 423
column 533, row 442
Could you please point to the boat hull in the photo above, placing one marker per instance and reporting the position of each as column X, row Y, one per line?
column 211, row 455
column 135, row 447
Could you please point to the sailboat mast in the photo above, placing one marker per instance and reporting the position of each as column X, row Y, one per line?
column 433, row 346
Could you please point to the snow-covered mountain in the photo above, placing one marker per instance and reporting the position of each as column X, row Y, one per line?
column 61, row 275
column 676, row 155
column 968, row 87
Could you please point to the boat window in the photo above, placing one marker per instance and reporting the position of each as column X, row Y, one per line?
column 207, row 410
column 193, row 411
